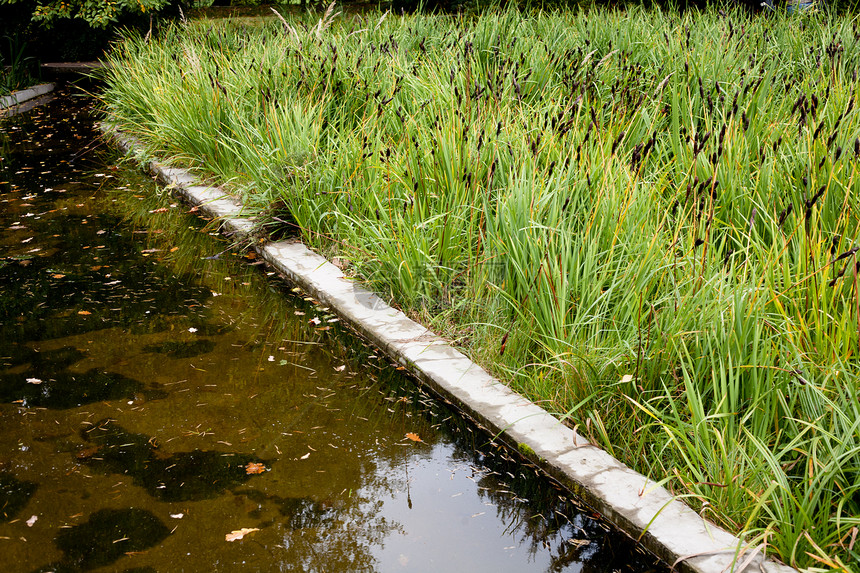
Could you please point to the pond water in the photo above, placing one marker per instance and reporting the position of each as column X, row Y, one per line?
column 163, row 393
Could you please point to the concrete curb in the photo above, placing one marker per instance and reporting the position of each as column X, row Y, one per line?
column 637, row 505
column 20, row 96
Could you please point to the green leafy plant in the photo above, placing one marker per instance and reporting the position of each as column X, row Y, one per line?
column 15, row 66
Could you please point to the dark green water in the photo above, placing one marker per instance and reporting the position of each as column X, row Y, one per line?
column 160, row 390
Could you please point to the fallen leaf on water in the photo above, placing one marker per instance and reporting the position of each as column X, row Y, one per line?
column 414, row 437
column 240, row 533
column 177, row 515
column 340, row 368
column 32, row 520
column 58, row 276
column 87, row 453
column 254, row 468
column 33, row 381
column 84, row 312
column 306, row 456
column 174, row 249
column 192, row 330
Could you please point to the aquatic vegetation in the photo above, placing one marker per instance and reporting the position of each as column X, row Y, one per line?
column 646, row 220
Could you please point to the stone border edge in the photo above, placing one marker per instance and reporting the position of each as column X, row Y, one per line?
column 20, row 96
column 635, row 504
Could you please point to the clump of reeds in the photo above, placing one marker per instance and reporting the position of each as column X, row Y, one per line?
column 647, row 220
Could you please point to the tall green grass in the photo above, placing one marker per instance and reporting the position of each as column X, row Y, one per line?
column 647, row 221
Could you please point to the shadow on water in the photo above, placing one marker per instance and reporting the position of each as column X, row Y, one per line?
column 181, row 476
column 105, row 537
column 14, row 495
column 180, row 349
column 42, row 379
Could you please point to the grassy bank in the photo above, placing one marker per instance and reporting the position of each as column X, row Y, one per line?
column 646, row 221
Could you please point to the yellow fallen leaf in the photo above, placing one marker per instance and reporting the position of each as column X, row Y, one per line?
column 58, row 276
column 414, row 437
column 84, row 312
column 240, row 533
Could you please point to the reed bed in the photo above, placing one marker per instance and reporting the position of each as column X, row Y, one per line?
column 645, row 220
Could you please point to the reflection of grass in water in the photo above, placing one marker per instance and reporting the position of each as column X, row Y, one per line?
column 301, row 512
column 181, row 349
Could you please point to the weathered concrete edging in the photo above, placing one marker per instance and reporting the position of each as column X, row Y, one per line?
column 20, row 96
column 635, row 504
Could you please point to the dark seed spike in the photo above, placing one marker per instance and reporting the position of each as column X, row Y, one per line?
column 818, row 130
column 784, row 214
column 838, row 276
column 844, row 255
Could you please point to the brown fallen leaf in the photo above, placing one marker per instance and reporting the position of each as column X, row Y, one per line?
column 160, row 210
column 58, row 276
column 84, row 312
column 254, row 468
column 414, row 437
column 87, row 453
column 240, row 533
